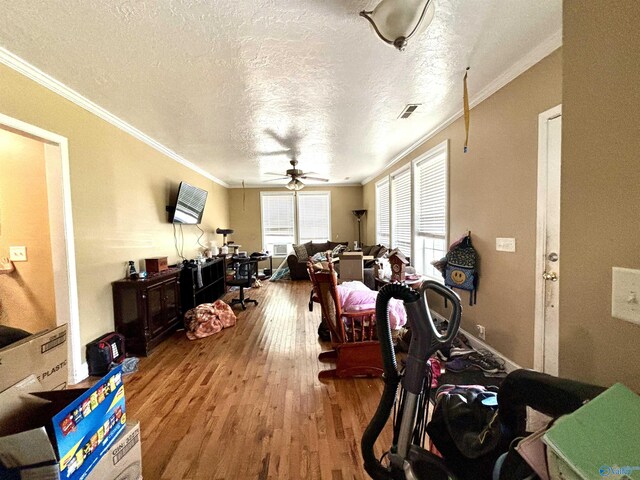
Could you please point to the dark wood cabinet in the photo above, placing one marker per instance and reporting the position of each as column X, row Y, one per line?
column 147, row 310
column 202, row 285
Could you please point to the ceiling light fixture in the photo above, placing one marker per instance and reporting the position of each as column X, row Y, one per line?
column 396, row 21
column 295, row 185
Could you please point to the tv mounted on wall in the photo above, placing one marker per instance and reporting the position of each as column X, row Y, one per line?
column 189, row 204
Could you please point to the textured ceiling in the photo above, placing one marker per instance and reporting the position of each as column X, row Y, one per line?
column 231, row 84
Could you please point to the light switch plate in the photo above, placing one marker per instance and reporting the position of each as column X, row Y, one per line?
column 18, row 254
column 625, row 294
column 506, row 244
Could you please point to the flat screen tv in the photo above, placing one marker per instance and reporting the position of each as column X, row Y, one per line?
column 189, row 204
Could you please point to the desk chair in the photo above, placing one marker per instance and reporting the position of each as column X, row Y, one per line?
column 246, row 272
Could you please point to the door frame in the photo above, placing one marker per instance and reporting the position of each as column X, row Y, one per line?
column 543, row 337
column 56, row 151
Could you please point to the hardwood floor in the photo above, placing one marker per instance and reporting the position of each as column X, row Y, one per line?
column 247, row 404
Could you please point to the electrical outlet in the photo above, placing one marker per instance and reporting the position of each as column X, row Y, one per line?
column 481, row 332
column 18, row 254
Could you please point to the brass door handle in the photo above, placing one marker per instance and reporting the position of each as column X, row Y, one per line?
column 553, row 276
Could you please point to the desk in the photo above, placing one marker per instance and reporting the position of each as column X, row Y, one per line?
column 257, row 259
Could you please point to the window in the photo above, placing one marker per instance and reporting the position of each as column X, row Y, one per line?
column 314, row 213
column 401, row 211
column 278, row 222
column 431, row 209
column 289, row 219
column 382, row 212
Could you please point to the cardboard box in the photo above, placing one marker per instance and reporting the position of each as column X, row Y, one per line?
column 156, row 264
column 123, row 461
column 43, row 355
column 60, row 434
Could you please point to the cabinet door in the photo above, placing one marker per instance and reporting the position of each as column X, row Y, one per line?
column 155, row 310
column 171, row 301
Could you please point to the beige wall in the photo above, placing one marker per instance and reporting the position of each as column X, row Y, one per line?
column 26, row 294
column 600, row 225
column 119, row 189
column 493, row 194
column 244, row 213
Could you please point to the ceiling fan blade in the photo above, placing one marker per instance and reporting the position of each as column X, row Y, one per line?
column 274, row 153
column 272, row 173
column 306, row 177
column 277, row 179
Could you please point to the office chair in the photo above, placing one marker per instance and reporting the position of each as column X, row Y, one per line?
column 246, row 272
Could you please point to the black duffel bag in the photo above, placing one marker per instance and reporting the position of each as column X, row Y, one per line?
column 465, row 429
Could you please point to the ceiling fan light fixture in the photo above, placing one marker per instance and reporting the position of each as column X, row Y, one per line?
column 295, row 185
column 397, row 21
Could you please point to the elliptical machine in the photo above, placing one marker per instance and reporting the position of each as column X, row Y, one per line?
column 407, row 458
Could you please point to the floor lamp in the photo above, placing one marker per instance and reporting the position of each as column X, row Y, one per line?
column 359, row 214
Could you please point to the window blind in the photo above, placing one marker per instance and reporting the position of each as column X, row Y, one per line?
column 278, row 220
column 382, row 212
column 430, row 200
column 314, row 217
column 431, row 197
column 401, row 211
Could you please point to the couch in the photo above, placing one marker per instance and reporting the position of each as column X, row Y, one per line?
column 298, row 265
column 375, row 251
column 297, row 261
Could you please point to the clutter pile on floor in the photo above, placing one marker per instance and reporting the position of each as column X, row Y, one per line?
column 460, row 357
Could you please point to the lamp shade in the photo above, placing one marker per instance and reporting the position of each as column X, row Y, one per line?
column 295, row 185
column 396, row 21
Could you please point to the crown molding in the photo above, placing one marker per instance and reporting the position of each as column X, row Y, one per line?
column 544, row 49
column 271, row 186
column 25, row 68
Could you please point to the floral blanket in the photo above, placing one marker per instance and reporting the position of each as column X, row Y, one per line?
column 207, row 319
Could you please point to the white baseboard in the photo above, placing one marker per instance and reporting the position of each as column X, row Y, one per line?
column 509, row 365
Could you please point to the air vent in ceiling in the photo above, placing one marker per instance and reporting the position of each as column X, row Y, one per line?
column 408, row 110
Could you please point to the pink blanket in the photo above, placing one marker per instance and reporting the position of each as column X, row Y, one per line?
column 356, row 296
column 207, row 319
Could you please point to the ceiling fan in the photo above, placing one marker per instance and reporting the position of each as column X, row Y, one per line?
column 295, row 174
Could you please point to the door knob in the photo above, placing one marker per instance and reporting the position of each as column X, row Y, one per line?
column 553, row 276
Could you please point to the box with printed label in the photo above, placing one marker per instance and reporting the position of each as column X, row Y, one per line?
column 124, row 458
column 43, row 355
column 68, row 429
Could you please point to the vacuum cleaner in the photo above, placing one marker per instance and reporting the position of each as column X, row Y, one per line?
column 407, row 459
column 406, row 394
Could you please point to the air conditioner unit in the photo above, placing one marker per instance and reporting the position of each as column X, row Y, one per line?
column 280, row 250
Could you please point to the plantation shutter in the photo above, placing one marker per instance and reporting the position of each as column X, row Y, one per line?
column 382, row 213
column 401, row 211
column 314, row 217
column 431, row 208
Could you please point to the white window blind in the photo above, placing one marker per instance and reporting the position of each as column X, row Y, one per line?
column 278, row 221
column 382, row 212
column 401, row 211
column 314, row 217
column 430, row 199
